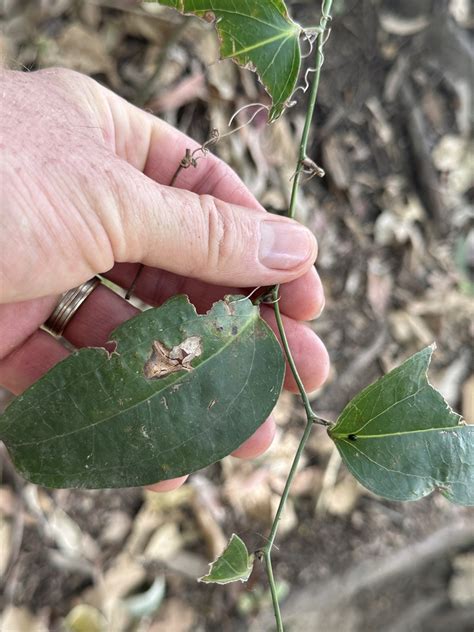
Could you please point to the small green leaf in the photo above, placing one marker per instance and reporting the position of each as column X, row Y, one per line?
column 401, row 440
column 257, row 35
column 234, row 564
column 180, row 392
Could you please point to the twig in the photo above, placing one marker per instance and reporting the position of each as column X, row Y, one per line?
column 311, row 416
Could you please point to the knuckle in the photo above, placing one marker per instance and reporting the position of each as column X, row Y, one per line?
column 221, row 232
column 126, row 231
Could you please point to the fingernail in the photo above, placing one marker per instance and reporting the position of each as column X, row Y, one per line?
column 285, row 245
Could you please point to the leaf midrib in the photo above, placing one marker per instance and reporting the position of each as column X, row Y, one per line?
column 283, row 35
column 422, row 477
column 344, row 437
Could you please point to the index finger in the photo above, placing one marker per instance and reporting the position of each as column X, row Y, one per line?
column 157, row 148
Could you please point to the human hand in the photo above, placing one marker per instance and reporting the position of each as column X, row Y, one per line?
column 83, row 189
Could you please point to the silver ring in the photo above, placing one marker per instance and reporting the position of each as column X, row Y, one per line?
column 68, row 305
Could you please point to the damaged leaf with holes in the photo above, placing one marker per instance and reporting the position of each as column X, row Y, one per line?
column 257, row 35
column 401, row 439
column 179, row 392
column 234, row 564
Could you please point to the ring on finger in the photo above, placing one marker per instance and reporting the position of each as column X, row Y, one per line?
column 68, row 305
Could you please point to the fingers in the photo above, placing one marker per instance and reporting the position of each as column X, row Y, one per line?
column 18, row 321
column 27, row 363
column 97, row 317
column 209, row 234
column 259, row 442
column 201, row 236
column 302, row 299
column 154, row 287
column 156, row 148
column 308, row 351
column 167, row 486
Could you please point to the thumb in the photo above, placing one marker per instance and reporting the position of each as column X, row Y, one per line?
column 203, row 237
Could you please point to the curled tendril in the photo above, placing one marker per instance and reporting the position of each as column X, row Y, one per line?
column 305, row 88
column 321, row 45
column 265, row 299
column 244, row 298
column 261, row 107
column 310, row 38
column 213, row 139
column 191, row 158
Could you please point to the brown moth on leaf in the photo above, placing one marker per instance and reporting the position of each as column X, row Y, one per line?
column 164, row 361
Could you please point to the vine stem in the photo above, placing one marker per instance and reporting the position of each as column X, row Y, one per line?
column 311, row 416
column 322, row 37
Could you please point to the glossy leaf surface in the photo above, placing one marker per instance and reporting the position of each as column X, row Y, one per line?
column 180, row 392
column 257, row 35
column 401, row 440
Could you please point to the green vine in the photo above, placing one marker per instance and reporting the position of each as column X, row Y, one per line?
column 311, row 416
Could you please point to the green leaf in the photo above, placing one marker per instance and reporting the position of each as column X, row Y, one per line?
column 103, row 420
column 234, row 564
column 257, row 35
column 401, row 440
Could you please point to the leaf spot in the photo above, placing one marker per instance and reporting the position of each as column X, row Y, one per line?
column 163, row 361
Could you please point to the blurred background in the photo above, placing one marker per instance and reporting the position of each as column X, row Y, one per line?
column 394, row 220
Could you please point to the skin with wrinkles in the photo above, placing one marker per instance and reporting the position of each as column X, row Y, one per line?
column 84, row 190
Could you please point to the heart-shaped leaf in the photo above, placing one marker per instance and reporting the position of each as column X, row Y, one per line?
column 180, row 392
column 234, row 564
column 401, row 440
column 257, row 35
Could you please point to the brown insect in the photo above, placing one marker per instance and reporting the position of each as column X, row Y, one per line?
column 164, row 361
